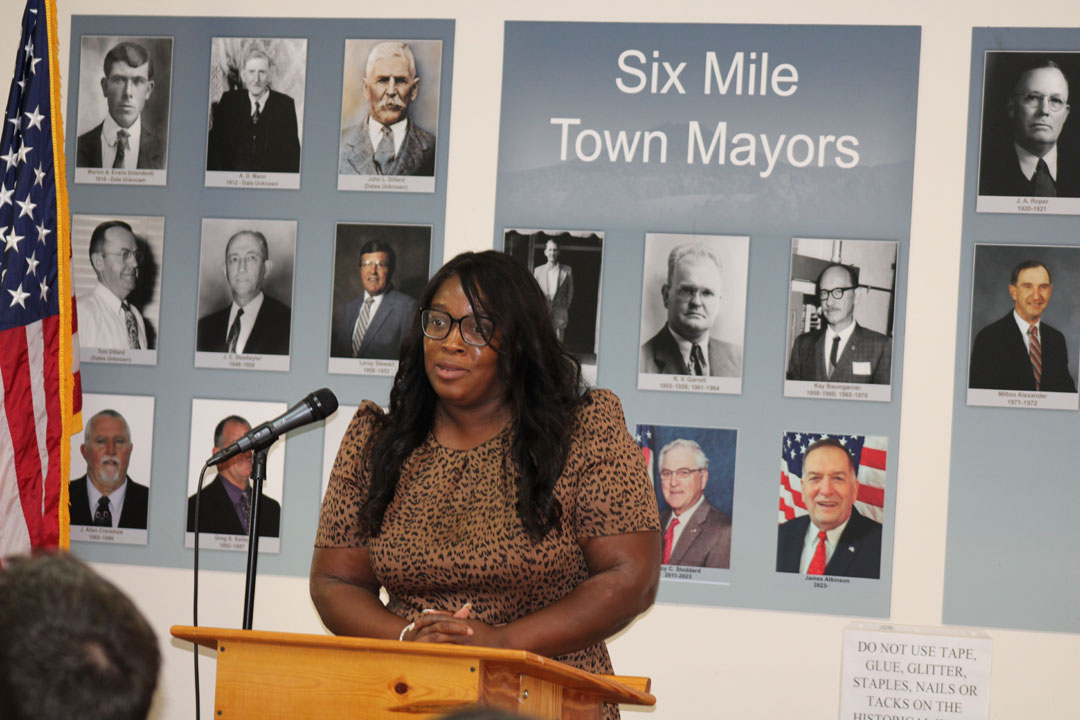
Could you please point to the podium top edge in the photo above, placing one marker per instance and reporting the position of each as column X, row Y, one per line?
column 533, row 664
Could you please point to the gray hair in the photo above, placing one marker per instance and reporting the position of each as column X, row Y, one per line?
column 255, row 53
column 388, row 50
column 686, row 251
column 700, row 457
column 104, row 413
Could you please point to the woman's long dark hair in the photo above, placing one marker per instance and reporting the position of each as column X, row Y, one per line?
column 541, row 376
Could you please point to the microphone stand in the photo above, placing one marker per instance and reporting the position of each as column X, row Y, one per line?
column 258, row 475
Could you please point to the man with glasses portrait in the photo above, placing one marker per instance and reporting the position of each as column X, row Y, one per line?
column 1032, row 164
column 106, row 318
column 374, row 324
column 841, row 351
column 696, row 534
column 691, row 295
column 106, row 496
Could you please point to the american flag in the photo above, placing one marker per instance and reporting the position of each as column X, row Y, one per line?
column 870, row 454
column 39, row 396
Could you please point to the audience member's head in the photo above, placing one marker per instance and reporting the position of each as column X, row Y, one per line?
column 71, row 644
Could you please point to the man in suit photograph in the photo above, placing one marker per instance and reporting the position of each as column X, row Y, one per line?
column 388, row 141
column 254, row 323
column 842, row 351
column 105, row 496
column 122, row 139
column 691, row 296
column 696, row 534
column 106, row 317
column 833, row 538
column 556, row 280
column 1019, row 351
column 254, row 129
column 1030, row 162
column 374, row 324
column 225, row 506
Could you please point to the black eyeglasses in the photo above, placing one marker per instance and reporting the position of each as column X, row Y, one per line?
column 438, row 325
column 837, row 293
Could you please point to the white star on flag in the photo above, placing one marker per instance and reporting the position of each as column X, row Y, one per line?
column 27, row 207
column 35, row 119
column 18, row 296
column 12, row 240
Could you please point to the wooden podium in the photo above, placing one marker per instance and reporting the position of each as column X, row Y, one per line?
column 289, row 675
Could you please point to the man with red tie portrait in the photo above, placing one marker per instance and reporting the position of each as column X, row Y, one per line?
column 1019, row 351
column 833, row 538
column 696, row 534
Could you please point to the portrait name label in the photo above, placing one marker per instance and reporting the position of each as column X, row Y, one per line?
column 915, row 673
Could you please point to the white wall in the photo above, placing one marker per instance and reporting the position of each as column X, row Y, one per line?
column 738, row 663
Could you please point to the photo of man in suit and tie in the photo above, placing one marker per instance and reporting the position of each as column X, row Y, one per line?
column 832, row 537
column 556, row 280
column 111, row 460
column 704, row 315
column 225, row 505
column 696, row 533
column 125, row 108
column 693, row 472
column 1020, row 351
column 1028, row 146
column 840, row 350
column 840, row 314
column 254, row 124
column 240, row 312
column 378, row 269
column 388, row 116
column 106, row 496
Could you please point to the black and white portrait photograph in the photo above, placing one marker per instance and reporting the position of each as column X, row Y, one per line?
column 109, row 491
column 389, row 115
column 693, row 472
column 256, row 122
column 693, row 312
column 116, row 267
column 225, row 504
column 568, row 266
column 841, row 302
column 1029, row 151
column 832, row 505
column 124, row 87
column 1025, row 327
column 379, row 271
column 245, row 294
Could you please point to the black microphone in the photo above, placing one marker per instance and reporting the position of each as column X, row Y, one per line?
column 315, row 406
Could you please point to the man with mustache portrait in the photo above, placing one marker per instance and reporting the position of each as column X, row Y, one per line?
column 105, row 496
column 387, row 141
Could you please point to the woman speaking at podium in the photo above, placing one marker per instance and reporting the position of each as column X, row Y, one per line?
column 497, row 503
